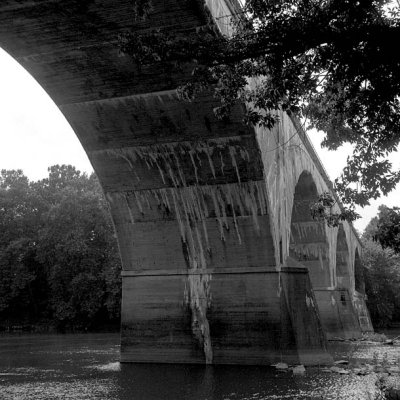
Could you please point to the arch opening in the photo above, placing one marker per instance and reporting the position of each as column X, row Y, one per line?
column 308, row 241
column 359, row 282
column 342, row 260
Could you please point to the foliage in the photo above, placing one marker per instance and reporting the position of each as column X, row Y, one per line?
column 16, row 276
column 382, row 261
column 58, row 254
column 387, row 231
column 331, row 63
column 142, row 8
column 323, row 209
column 371, row 229
column 382, row 282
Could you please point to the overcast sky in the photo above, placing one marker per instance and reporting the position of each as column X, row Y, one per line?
column 34, row 135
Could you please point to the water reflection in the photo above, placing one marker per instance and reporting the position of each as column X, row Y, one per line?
column 235, row 383
column 86, row 367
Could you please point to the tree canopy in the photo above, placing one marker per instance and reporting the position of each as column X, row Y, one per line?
column 385, row 228
column 381, row 261
column 331, row 63
column 59, row 263
column 382, row 281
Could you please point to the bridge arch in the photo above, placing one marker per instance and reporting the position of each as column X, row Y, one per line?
column 359, row 283
column 190, row 195
column 308, row 240
column 342, row 260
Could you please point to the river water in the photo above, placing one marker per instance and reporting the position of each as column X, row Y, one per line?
column 85, row 366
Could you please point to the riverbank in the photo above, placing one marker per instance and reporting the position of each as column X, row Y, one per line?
column 51, row 328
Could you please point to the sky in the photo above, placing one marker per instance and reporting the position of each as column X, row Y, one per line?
column 35, row 135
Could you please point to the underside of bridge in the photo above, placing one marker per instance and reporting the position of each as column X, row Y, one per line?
column 309, row 246
column 204, row 278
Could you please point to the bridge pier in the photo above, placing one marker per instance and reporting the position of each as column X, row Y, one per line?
column 201, row 280
column 338, row 316
column 251, row 318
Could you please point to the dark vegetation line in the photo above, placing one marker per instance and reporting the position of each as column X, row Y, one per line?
column 59, row 261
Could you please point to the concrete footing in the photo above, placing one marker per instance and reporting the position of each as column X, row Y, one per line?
column 250, row 317
column 338, row 316
column 362, row 312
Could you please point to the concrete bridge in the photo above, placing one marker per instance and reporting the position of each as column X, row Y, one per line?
column 222, row 262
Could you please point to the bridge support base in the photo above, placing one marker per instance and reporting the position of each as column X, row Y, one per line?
column 361, row 309
column 338, row 316
column 240, row 317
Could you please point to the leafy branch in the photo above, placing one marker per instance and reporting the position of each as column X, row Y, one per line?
column 331, row 63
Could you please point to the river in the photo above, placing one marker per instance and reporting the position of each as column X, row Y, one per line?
column 85, row 366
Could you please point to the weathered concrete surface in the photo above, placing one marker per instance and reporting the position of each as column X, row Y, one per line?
column 338, row 317
column 220, row 254
column 248, row 321
column 362, row 312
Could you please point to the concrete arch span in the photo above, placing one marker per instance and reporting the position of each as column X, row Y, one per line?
column 338, row 315
column 364, row 318
column 350, row 280
column 202, row 208
column 311, row 244
column 308, row 242
column 343, row 269
column 359, row 284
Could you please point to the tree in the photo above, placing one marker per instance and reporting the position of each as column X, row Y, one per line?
column 20, row 207
column 20, row 218
column 59, row 261
column 388, row 228
column 371, row 229
column 331, row 63
column 381, row 261
column 382, row 282
column 16, row 277
column 78, row 247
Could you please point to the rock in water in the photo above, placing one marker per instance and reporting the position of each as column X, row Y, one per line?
column 280, row 366
column 299, row 370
